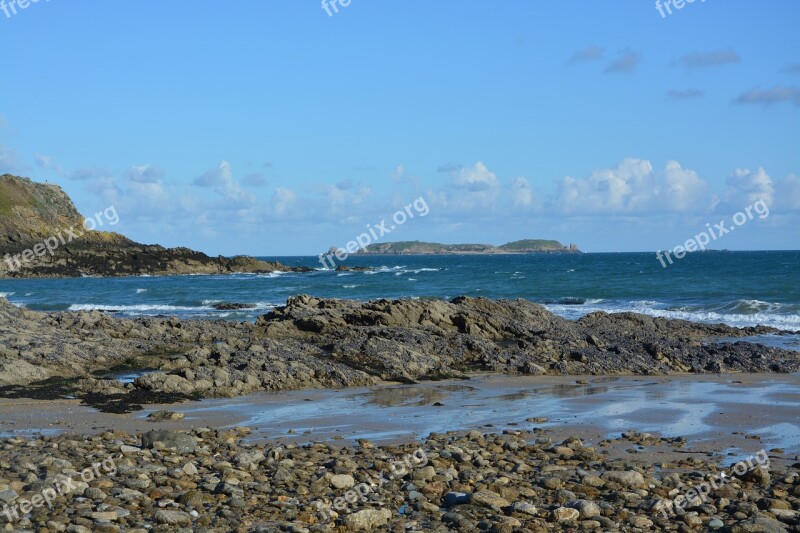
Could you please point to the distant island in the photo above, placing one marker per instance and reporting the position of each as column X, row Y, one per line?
column 525, row 246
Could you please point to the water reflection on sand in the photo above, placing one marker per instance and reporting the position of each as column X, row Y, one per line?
column 690, row 406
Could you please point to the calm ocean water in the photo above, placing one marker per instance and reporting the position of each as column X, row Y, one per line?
column 737, row 288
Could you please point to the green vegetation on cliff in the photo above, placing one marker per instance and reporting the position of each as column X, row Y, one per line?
column 534, row 245
column 417, row 247
column 31, row 212
column 422, row 248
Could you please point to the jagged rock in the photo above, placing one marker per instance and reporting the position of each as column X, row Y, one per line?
column 314, row 343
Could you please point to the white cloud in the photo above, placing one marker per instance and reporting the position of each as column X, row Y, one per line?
column 399, row 173
column 683, row 189
column 400, row 176
column 468, row 201
column 140, row 195
column 477, row 191
column 224, row 184
column 154, row 193
column 610, row 190
column 9, row 161
column 256, row 179
column 46, row 162
column 469, row 189
column 282, row 200
column 145, row 174
column 476, row 179
column 788, row 193
column 746, row 187
column 344, row 194
column 91, row 174
column 521, row 192
column 632, row 187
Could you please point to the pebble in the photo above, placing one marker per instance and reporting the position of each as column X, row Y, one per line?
column 716, row 523
column 470, row 482
column 342, row 481
column 565, row 514
column 488, row 498
column 173, row 518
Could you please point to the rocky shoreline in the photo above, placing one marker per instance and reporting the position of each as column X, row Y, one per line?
column 518, row 480
column 136, row 260
column 42, row 235
column 325, row 343
column 216, row 480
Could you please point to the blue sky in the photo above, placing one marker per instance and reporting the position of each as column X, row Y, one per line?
column 270, row 128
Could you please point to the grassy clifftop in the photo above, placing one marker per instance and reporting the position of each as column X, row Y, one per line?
column 417, row 247
column 533, row 245
column 516, row 247
column 31, row 212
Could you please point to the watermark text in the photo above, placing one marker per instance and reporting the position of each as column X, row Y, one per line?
column 51, row 244
column 374, row 233
column 665, row 7
column 63, row 485
column 702, row 239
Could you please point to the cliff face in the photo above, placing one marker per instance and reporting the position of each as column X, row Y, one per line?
column 42, row 234
column 32, row 212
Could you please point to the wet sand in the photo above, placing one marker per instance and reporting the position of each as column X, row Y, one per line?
column 731, row 415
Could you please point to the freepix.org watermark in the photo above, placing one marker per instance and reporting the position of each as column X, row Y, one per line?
column 665, row 7
column 698, row 494
column 712, row 233
column 9, row 7
column 63, row 485
column 51, row 244
column 374, row 233
column 332, row 6
column 397, row 469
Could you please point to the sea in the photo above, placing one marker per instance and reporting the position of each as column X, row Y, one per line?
column 734, row 288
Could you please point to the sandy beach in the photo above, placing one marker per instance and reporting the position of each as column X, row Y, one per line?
column 720, row 415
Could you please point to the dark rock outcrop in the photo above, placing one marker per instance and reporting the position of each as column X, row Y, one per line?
column 408, row 339
column 227, row 306
column 345, row 268
column 325, row 343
